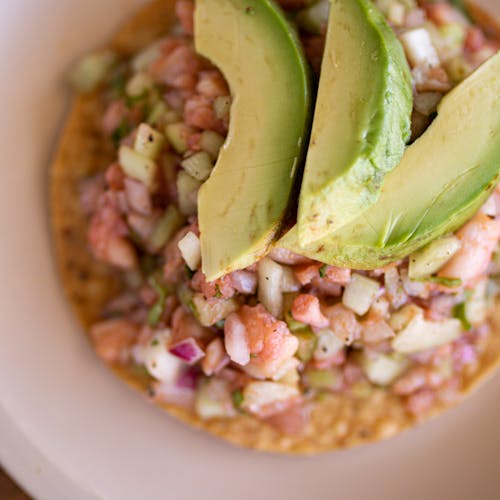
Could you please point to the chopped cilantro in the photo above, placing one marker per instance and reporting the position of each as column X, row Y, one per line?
column 237, row 397
column 218, row 293
column 189, row 271
column 155, row 342
column 220, row 324
column 459, row 312
column 448, row 282
column 322, row 270
column 120, row 133
column 156, row 311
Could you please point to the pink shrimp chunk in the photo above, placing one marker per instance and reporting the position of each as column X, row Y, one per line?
column 107, row 235
column 270, row 343
column 112, row 339
column 479, row 238
column 306, row 309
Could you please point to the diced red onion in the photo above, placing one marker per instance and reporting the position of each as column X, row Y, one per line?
column 244, row 282
column 188, row 350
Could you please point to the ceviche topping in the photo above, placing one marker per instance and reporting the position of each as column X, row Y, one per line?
column 272, row 336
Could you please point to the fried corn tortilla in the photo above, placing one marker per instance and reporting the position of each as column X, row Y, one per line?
column 337, row 421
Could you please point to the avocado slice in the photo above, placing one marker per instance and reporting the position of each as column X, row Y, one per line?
column 362, row 119
column 442, row 181
column 242, row 204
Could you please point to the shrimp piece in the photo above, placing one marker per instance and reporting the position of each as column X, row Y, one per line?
column 184, row 10
column 174, row 266
column 270, row 343
column 185, row 325
column 287, row 257
column 113, row 116
column 199, row 112
column 178, row 67
column 220, row 288
column 306, row 309
column 113, row 338
column 212, row 84
column 307, row 272
column 339, row 275
column 479, row 238
column 215, row 358
column 107, row 235
column 414, row 380
column 343, row 323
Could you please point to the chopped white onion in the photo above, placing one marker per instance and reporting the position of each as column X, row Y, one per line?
column 137, row 166
column 421, row 335
column 419, row 48
column 235, row 340
column 158, row 361
column 383, row 369
column 190, row 249
column 270, row 293
column 328, row 345
column 360, row 293
column 148, row 141
column 259, row 395
column 431, row 258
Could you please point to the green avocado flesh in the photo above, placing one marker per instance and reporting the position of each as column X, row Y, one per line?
column 242, row 205
column 362, row 119
column 442, row 180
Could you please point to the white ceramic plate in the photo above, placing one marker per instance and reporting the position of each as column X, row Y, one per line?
column 68, row 429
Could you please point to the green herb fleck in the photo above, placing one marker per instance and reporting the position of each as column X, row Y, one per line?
column 220, row 324
column 155, row 342
column 131, row 101
column 189, row 271
column 237, row 397
column 322, row 270
column 120, row 133
column 459, row 312
column 156, row 311
column 439, row 280
column 218, row 293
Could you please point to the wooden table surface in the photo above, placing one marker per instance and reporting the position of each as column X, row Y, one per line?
column 9, row 490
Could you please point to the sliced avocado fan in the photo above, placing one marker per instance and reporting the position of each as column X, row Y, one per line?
column 442, row 181
column 361, row 122
column 242, row 204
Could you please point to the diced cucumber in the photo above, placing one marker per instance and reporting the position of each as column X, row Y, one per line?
column 328, row 345
column 187, row 189
column 177, row 135
column 166, row 227
column 383, row 369
column 199, row 165
column 138, row 166
column 157, row 115
column 222, row 107
column 432, row 257
column 360, row 293
column 146, row 57
column 214, row 399
column 148, row 141
column 307, row 344
column 190, row 250
column 210, row 312
column 323, row 379
column 211, row 142
column 422, row 335
column 139, row 84
column 289, row 282
column 91, row 70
